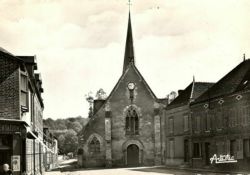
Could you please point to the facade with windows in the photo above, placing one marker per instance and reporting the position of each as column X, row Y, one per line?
column 221, row 121
column 126, row 128
column 21, row 107
column 178, row 124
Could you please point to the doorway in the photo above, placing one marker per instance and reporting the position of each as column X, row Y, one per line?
column 186, row 151
column 5, row 157
column 133, row 155
column 207, row 153
column 5, row 149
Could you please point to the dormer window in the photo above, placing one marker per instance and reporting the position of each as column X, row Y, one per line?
column 205, row 106
column 221, row 101
column 238, row 97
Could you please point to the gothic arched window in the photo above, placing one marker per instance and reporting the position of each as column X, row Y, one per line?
column 94, row 146
column 132, row 121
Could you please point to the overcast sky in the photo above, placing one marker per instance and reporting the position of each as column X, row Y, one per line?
column 80, row 44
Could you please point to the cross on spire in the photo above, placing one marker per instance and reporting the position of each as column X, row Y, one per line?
column 129, row 4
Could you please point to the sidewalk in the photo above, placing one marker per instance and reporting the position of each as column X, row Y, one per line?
column 203, row 170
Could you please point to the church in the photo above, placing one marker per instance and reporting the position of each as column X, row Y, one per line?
column 126, row 128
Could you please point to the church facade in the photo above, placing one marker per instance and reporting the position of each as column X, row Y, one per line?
column 126, row 128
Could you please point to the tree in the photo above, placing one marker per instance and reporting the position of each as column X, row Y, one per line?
column 171, row 96
column 60, row 124
column 71, row 141
column 76, row 126
column 61, row 140
column 49, row 123
column 101, row 94
column 90, row 100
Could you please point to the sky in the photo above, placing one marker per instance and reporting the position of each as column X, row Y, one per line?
column 79, row 44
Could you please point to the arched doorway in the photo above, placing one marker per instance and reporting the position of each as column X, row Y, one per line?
column 133, row 155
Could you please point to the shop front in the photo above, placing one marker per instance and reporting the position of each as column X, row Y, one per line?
column 12, row 145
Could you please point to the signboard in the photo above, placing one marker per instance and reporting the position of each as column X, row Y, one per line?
column 15, row 162
column 222, row 159
column 8, row 128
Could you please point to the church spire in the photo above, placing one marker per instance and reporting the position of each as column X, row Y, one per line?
column 129, row 48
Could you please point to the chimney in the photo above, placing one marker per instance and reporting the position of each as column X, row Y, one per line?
column 180, row 91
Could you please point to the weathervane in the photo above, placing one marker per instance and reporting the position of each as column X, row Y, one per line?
column 129, row 4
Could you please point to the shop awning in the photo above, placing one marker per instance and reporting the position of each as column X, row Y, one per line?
column 30, row 135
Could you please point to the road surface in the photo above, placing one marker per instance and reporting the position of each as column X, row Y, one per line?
column 127, row 171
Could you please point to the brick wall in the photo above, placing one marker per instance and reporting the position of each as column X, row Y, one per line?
column 9, row 88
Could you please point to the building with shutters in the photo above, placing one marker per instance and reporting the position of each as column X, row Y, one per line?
column 178, row 124
column 221, row 122
column 126, row 127
column 21, row 108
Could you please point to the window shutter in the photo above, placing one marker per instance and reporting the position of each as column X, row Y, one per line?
column 240, row 149
column 248, row 147
column 228, row 147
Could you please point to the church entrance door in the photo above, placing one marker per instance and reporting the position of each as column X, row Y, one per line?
column 132, row 155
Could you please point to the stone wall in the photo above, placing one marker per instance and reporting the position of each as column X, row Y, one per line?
column 115, row 139
column 144, row 103
column 178, row 136
column 229, row 118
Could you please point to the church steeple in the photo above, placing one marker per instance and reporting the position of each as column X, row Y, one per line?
column 129, row 48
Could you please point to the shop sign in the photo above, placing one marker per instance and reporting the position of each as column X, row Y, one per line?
column 222, row 159
column 9, row 128
column 15, row 162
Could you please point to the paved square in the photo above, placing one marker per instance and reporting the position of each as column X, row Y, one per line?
column 132, row 171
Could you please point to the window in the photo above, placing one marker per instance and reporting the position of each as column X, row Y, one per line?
column 207, row 122
column 197, row 123
column 221, row 147
column 80, row 151
column 233, row 117
column 244, row 115
column 24, row 92
column 219, row 119
column 197, row 150
column 239, row 116
column 186, row 123
column 171, row 125
column 94, row 146
column 132, row 121
column 233, row 148
column 246, row 147
column 24, row 83
column 248, row 114
column 171, row 148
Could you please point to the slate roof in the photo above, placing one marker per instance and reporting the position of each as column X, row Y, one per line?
column 129, row 47
column 236, row 80
column 6, row 54
column 5, row 51
column 192, row 92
